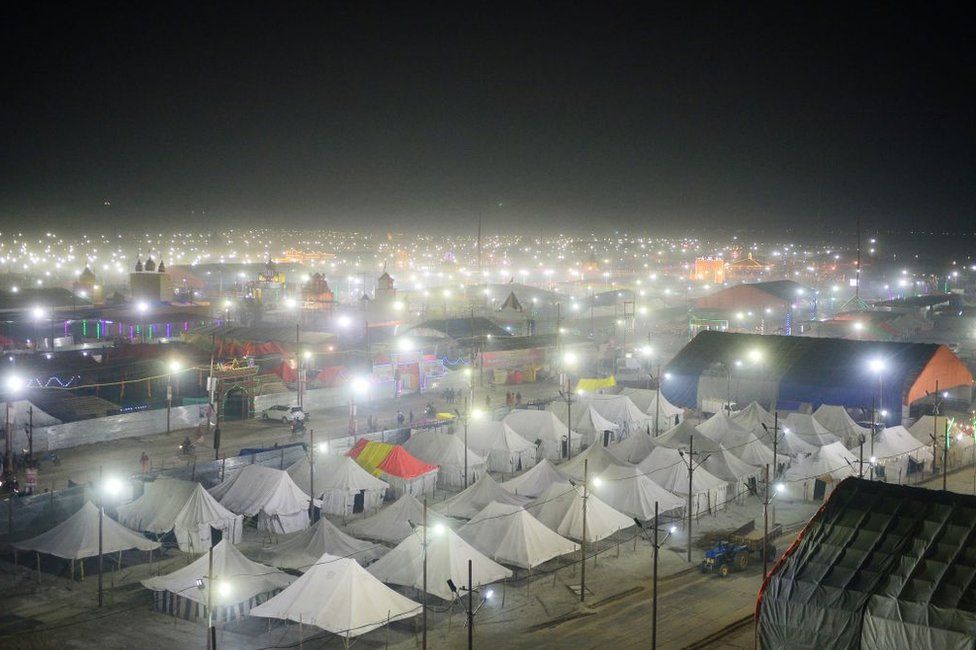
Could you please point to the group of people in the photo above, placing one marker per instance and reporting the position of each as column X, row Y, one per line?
column 451, row 396
column 513, row 399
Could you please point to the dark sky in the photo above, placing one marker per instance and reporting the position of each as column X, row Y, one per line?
column 412, row 116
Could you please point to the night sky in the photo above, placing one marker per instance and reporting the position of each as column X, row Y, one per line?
column 412, row 116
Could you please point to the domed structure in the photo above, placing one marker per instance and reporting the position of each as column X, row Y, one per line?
column 150, row 265
column 162, row 267
column 138, row 265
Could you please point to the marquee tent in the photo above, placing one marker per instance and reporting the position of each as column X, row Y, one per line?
column 815, row 475
column 505, row 450
column 184, row 507
column 792, row 444
column 730, row 468
column 341, row 597
column 301, row 550
column 836, row 420
column 447, row 558
column 808, row 429
column 393, row 464
column 681, row 436
column 753, row 417
column 589, row 423
column 745, row 444
column 667, row 414
column 627, row 490
column 510, row 535
column 546, row 427
column 596, row 458
column 467, row 503
column 634, row 448
column 448, row 452
column 561, row 509
column 392, row 524
column 238, row 585
column 620, row 410
column 667, row 468
column 341, row 483
column 280, row 505
column 536, row 480
column 899, row 454
column 76, row 537
column 721, row 426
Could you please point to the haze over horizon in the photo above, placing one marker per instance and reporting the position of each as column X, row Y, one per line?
column 581, row 120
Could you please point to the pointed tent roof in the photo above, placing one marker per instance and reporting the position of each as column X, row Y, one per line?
column 833, row 460
column 467, row 503
column 805, row 426
column 619, row 409
column 512, row 302
column 334, row 473
column 753, row 417
column 680, row 437
column 561, row 509
column 892, row 442
column 927, row 426
column 510, row 535
column 441, row 449
column 743, row 443
column 599, row 459
column 836, row 420
column 77, row 537
column 728, row 467
column 256, row 489
column 447, row 558
column 169, row 503
column 247, row 578
column 392, row 524
column 590, row 421
column 627, row 490
column 379, row 457
column 667, row 468
column 720, row 426
column 536, row 480
column 634, row 448
column 486, row 436
column 646, row 400
column 792, row 444
column 538, row 425
column 303, row 549
column 341, row 597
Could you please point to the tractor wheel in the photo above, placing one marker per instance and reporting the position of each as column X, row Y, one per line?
column 724, row 570
column 742, row 560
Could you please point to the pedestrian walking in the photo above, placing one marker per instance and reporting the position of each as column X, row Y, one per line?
column 400, row 418
column 144, row 462
column 518, row 399
column 411, row 416
column 31, row 478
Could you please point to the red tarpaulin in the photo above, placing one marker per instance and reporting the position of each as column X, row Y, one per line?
column 357, row 448
column 401, row 463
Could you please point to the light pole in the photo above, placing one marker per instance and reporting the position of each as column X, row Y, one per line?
column 569, row 360
column 877, row 366
column 474, row 414
column 657, row 547
column 38, row 314
column 470, row 610
column 112, row 487
column 586, row 496
column 358, row 386
column 323, row 448
column 174, row 367
column 767, row 499
column 14, row 384
column 142, row 308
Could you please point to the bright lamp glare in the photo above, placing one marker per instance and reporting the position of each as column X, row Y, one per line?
column 780, row 488
column 360, row 385
column 323, row 447
column 174, row 366
column 477, row 414
column 14, row 383
column 405, row 345
column 439, row 529
column 112, row 486
column 489, row 594
column 570, row 358
column 876, row 365
column 673, row 529
column 223, row 588
column 597, row 481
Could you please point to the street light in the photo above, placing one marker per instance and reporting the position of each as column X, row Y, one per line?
column 174, row 367
column 142, row 308
column 656, row 544
column 877, row 366
column 358, row 386
column 470, row 609
column 13, row 384
column 112, row 487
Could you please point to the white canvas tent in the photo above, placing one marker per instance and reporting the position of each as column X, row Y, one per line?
column 737, row 473
column 270, row 494
column 627, row 490
column 596, row 459
column 561, row 509
column 792, row 444
column 681, row 437
column 899, row 454
column 591, row 424
column 752, row 417
column 77, row 537
column 634, row 449
column 184, row 507
column 468, row 503
column 667, row 414
column 535, row 481
column 808, row 429
column 620, row 410
column 836, row 420
column 339, row 596
column 827, row 466
column 743, row 443
column 304, row 548
column 238, row 585
column 510, row 535
column 339, row 482
column 392, row 524
column 506, row 451
column 447, row 451
column 447, row 558
column 668, row 468
column 546, row 427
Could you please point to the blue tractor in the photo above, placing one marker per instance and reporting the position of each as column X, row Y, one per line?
column 725, row 557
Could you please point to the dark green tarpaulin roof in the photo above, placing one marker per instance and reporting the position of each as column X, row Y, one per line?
column 879, row 566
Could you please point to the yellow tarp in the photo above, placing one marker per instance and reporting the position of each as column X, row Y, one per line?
column 445, row 416
column 594, row 384
column 372, row 455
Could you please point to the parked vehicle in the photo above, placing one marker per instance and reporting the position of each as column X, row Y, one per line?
column 734, row 554
column 285, row 414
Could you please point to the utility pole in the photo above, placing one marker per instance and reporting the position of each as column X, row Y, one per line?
column 210, row 380
column 101, row 516
column 311, row 472
column 211, row 630
column 765, row 555
column 775, row 436
column 298, row 360
column 874, row 428
column 586, row 494
column 470, row 607
column 657, row 405
column 424, row 599
column 691, row 471
column 654, row 594
column 945, row 456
